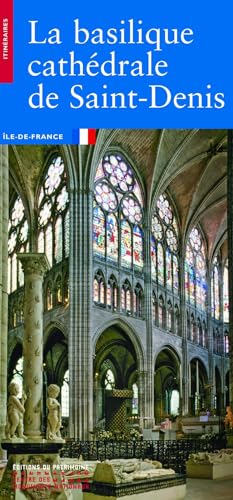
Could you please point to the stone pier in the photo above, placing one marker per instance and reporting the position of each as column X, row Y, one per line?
column 33, row 452
column 34, row 265
column 4, row 217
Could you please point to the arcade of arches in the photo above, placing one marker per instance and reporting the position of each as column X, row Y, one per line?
column 136, row 298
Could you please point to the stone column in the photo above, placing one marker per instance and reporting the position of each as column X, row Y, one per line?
column 149, row 378
column 197, row 392
column 4, row 217
column 211, row 391
column 186, row 377
column 180, row 388
column 80, row 346
column 34, row 266
column 197, row 378
column 230, row 254
column 189, row 381
column 141, row 395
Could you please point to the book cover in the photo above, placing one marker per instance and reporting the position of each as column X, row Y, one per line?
column 115, row 246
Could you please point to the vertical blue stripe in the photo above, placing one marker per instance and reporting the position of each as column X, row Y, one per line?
column 75, row 136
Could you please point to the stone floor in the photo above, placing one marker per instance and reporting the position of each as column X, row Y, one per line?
column 207, row 489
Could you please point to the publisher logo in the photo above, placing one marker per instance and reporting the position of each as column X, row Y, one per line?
column 49, row 476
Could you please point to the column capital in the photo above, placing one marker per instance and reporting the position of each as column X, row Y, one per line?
column 34, row 263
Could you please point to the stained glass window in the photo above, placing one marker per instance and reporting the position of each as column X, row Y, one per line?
column 126, row 298
column 53, row 212
column 160, row 264
column 175, row 273
column 112, row 237
column 168, row 268
column 193, row 329
column 154, row 307
column 189, row 275
column 17, row 242
column 226, row 344
column 215, row 291
column 98, row 231
column 58, row 239
column 109, row 380
column 112, row 293
column 135, row 399
column 176, row 320
column 49, row 243
column 109, row 296
column 161, row 312
column 225, row 294
column 153, row 259
column 212, row 297
column 195, row 270
column 137, row 247
column 117, row 213
column 204, row 334
column 41, row 242
column 102, row 292
column 126, row 244
column 175, row 402
column 138, row 298
column 16, row 311
column 96, row 291
column 169, row 316
column 164, row 245
column 199, row 332
column 99, row 288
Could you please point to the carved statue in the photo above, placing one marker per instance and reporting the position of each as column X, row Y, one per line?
column 228, row 420
column 129, row 470
column 54, row 416
column 220, row 456
column 15, row 412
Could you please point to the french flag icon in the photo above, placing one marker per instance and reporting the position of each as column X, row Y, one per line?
column 84, row 136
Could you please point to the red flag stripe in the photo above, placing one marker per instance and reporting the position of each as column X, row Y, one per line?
column 91, row 136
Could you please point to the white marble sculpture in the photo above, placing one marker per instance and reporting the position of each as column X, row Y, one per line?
column 125, row 471
column 54, row 414
column 15, row 413
column 221, row 456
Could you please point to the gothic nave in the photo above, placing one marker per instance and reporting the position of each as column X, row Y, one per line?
column 136, row 300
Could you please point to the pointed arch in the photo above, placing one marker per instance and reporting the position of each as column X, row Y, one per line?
column 53, row 210
column 196, row 270
column 112, row 293
column 118, row 322
column 164, row 245
column 99, row 288
column 138, row 300
column 126, row 297
column 18, row 241
column 118, row 215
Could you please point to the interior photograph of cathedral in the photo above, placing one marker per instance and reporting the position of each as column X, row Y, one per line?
column 130, row 237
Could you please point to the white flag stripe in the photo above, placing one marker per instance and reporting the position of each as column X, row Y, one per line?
column 83, row 136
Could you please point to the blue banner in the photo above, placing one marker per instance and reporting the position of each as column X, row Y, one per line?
column 115, row 65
